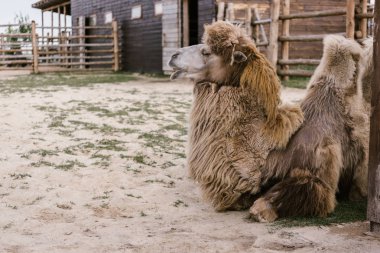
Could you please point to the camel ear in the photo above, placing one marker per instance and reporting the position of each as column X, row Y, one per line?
column 239, row 57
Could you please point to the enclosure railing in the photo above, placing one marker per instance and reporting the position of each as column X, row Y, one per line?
column 358, row 26
column 15, row 48
column 77, row 48
column 355, row 30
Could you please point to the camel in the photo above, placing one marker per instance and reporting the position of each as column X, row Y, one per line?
column 236, row 119
column 327, row 154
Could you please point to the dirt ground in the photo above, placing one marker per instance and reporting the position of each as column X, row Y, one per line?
column 101, row 168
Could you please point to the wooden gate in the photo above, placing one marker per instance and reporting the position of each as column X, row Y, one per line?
column 80, row 48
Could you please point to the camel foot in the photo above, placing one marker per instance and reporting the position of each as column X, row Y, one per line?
column 262, row 211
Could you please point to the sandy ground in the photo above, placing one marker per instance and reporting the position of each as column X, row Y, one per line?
column 101, row 168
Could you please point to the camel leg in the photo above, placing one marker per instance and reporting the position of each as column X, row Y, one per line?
column 359, row 187
column 304, row 195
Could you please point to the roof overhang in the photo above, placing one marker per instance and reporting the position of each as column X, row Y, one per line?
column 52, row 5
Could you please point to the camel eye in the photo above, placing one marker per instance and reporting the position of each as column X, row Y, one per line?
column 175, row 55
column 204, row 52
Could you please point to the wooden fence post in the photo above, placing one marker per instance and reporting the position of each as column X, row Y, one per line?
column 34, row 48
column 363, row 21
column 115, row 34
column 81, row 33
column 248, row 20
column 373, row 211
column 220, row 15
column 273, row 34
column 350, row 19
column 285, row 32
column 230, row 13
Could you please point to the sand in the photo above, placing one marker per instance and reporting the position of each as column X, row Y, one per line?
column 101, row 168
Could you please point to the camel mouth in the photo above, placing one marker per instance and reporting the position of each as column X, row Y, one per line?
column 178, row 73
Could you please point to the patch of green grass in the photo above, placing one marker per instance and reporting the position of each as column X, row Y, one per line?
column 41, row 152
column 64, row 206
column 104, row 112
column 25, row 83
column 19, row 175
column 113, row 145
column 101, row 157
column 69, row 165
column 297, row 82
column 133, row 196
column 345, row 212
column 156, row 139
column 179, row 203
column 145, row 106
column 139, row 159
column 83, row 147
column 106, row 195
column 176, row 127
column 85, row 125
column 135, row 171
column 57, row 121
column 46, row 108
column 167, row 164
column 42, row 163
column 169, row 184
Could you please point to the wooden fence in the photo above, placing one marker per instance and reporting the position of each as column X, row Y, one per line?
column 352, row 14
column 79, row 48
column 359, row 24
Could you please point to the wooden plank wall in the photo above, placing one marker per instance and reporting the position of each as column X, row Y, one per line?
column 325, row 25
column 171, row 31
column 140, row 39
column 206, row 14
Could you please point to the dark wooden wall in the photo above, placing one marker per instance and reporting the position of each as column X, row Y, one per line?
column 140, row 39
column 206, row 13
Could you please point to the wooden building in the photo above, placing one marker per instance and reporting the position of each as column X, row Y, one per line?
column 150, row 31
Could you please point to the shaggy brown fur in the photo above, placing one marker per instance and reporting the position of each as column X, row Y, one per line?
column 234, row 127
column 366, row 64
column 329, row 152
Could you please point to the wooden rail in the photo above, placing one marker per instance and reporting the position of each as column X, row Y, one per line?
column 299, row 62
column 262, row 21
column 295, row 72
column 305, row 38
column 313, row 14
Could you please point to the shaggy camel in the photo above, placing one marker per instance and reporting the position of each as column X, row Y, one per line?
column 304, row 177
column 329, row 153
column 235, row 121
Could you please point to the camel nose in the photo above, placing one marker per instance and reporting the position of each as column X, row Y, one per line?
column 172, row 59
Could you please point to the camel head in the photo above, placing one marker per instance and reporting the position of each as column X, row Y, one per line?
column 197, row 63
column 229, row 57
column 340, row 62
column 189, row 62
